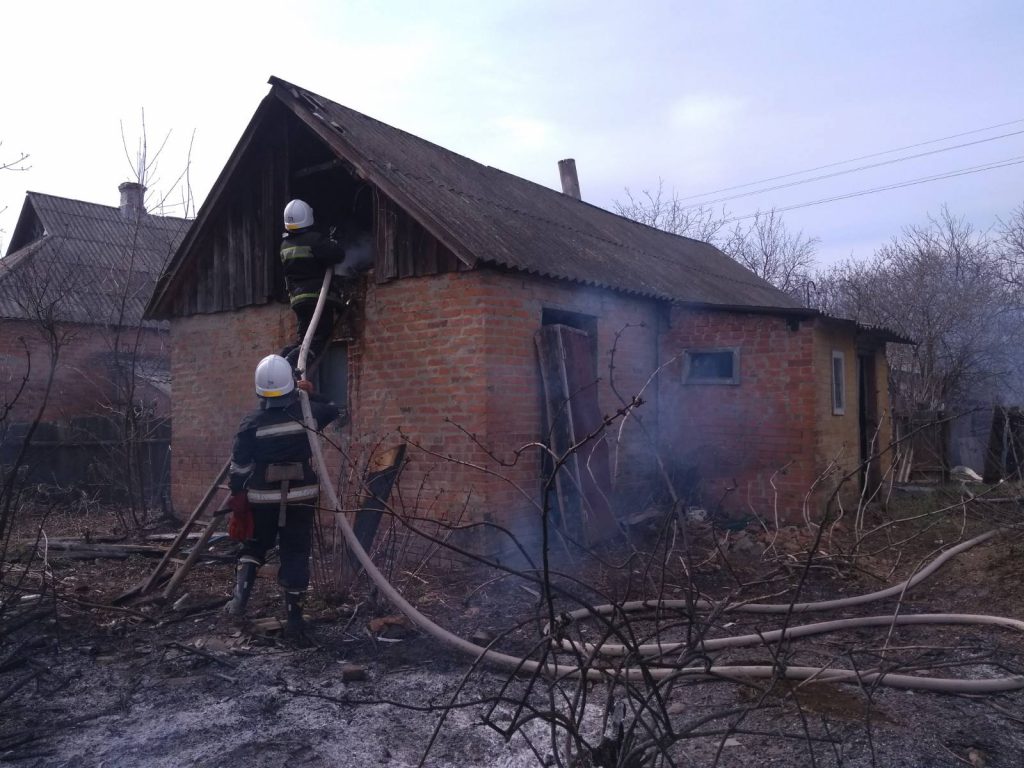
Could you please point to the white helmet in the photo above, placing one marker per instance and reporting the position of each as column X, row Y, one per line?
column 297, row 215
column 274, row 377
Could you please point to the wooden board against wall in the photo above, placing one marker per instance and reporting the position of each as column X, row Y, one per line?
column 583, row 483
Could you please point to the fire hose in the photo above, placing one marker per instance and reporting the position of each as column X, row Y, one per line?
column 727, row 672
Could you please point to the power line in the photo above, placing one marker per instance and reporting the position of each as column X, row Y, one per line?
column 923, row 180
column 853, row 160
column 851, row 170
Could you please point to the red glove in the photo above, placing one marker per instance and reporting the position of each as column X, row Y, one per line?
column 240, row 526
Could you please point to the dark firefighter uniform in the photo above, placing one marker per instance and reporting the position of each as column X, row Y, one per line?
column 306, row 254
column 271, row 461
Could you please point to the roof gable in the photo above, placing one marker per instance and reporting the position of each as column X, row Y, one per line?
column 30, row 227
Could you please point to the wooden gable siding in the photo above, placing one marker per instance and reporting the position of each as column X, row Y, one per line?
column 404, row 248
column 237, row 262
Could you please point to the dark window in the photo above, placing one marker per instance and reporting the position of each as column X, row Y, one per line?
column 577, row 320
column 712, row 366
column 332, row 375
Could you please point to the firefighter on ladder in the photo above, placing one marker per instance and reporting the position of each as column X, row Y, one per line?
column 274, row 488
column 305, row 254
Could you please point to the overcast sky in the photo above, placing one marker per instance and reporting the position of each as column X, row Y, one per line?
column 703, row 95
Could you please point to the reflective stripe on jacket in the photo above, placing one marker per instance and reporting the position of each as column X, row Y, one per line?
column 284, row 428
column 305, row 255
column 277, row 436
column 273, row 495
column 303, row 295
column 292, row 252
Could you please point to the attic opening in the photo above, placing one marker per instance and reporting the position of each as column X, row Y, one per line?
column 342, row 207
column 340, row 200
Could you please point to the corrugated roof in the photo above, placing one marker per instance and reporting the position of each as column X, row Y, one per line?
column 91, row 264
column 878, row 333
column 486, row 214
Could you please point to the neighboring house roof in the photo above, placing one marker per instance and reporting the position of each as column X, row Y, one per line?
column 83, row 262
column 486, row 215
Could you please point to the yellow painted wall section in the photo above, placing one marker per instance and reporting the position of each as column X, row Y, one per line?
column 837, row 436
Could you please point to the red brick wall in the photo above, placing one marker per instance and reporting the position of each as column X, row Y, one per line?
column 459, row 348
column 83, row 381
column 741, row 436
column 738, row 438
column 514, row 394
column 431, row 352
column 213, row 358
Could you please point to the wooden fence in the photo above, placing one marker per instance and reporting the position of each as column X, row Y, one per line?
column 100, row 456
column 988, row 439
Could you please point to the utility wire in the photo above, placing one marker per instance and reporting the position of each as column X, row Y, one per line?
column 850, row 170
column 923, row 180
column 852, row 160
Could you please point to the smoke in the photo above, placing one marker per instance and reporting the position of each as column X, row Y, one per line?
column 358, row 254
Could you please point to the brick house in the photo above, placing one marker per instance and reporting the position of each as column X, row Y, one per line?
column 755, row 392
column 75, row 281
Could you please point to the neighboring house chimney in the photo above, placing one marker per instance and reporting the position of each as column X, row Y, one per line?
column 132, row 206
column 570, row 181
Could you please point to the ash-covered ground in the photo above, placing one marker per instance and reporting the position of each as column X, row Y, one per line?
column 85, row 684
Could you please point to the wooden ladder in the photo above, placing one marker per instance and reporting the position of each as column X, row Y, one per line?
column 204, row 519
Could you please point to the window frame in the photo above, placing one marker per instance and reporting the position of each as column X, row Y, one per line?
column 690, row 380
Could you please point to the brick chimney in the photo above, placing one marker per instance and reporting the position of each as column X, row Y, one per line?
column 570, row 181
column 132, row 206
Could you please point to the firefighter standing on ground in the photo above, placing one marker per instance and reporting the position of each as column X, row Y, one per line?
column 306, row 254
column 272, row 479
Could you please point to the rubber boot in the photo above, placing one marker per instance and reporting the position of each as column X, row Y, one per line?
column 295, row 625
column 245, row 577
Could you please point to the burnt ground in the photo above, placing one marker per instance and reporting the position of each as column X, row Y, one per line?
column 85, row 684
